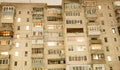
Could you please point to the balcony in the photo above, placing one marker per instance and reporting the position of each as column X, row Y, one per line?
column 37, row 62
column 56, row 61
column 119, row 30
column 6, row 34
column 91, row 13
column 117, row 13
column 117, row 3
column 38, row 15
column 98, row 58
column 7, row 14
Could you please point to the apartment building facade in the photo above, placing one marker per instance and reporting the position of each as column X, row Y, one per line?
column 77, row 35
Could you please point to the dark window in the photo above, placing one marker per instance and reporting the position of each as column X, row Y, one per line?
column 26, row 45
column 119, row 58
column 111, row 68
column 105, row 39
column 115, row 39
column 28, row 12
column 119, row 30
column 93, row 38
column 15, row 63
column 19, row 12
column 75, row 30
column 25, row 63
column 102, row 22
column 0, row 61
column 107, row 49
column 18, row 28
column 26, row 53
column 110, row 15
column 27, row 19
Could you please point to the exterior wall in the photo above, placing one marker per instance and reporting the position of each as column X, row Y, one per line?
column 79, row 35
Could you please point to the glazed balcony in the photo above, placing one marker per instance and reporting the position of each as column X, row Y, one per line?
column 96, row 48
column 7, row 14
column 6, row 34
column 118, row 20
column 119, row 30
column 98, row 58
column 117, row 13
column 91, row 13
column 56, row 61
column 117, row 3
column 37, row 14
column 93, row 28
column 38, row 17
column 4, row 62
column 37, row 62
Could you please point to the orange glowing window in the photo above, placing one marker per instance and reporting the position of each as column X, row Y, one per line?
column 37, row 24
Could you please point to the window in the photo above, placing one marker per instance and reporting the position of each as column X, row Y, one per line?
column 15, row 63
column 97, row 56
column 27, row 19
column 4, row 53
column 113, row 30
column 115, row 39
column 75, row 30
column 17, row 36
column 37, row 50
column 56, row 61
column 27, row 27
column 108, row 7
column 19, row 12
column 105, row 39
column 119, row 58
column 19, row 20
column 77, row 58
column 26, row 35
column 102, row 22
column 25, row 63
column 109, row 58
column 99, row 7
column 17, row 44
column 16, row 53
column 26, row 44
column 37, row 41
column 18, row 28
column 5, row 42
column 26, row 53
column 110, row 15
column 28, row 12
column 111, row 68
column 107, row 49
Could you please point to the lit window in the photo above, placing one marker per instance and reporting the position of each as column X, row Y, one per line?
column 16, row 53
column 51, row 43
column 19, row 20
column 17, row 44
column 4, row 53
column 99, row 7
column 27, row 27
column 113, row 30
column 18, row 36
column 109, row 58
column 3, row 42
column 80, row 39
